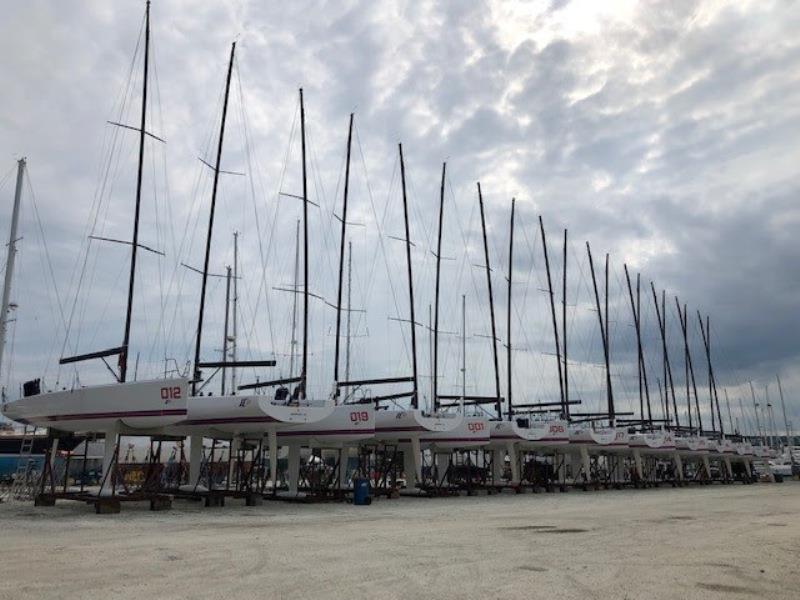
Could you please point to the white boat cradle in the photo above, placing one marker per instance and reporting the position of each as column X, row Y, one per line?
column 586, row 441
column 514, row 439
column 659, row 444
column 249, row 417
column 470, row 433
column 404, row 428
column 132, row 408
column 345, row 428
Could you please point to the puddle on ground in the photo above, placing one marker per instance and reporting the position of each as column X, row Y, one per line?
column 727, row 589
column 545, row 529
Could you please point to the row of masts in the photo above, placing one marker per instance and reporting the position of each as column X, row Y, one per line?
column 229, row 355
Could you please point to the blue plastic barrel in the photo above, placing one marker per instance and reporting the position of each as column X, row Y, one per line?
column 361, row 495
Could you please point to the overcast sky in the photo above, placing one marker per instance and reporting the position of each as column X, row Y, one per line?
column 665, row 133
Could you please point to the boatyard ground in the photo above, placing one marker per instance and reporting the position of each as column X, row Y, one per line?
column 701, row 542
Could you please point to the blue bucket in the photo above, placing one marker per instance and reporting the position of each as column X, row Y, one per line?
column 361, row 496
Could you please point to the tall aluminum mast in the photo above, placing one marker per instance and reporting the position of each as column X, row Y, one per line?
column 10, row 258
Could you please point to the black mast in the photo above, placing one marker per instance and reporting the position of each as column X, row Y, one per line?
column 644, row 368
column 603, row 330
column 414, row 396
column 685, row 328
column 712, row 383
column 636, row 310
column 197, row 374
column 661, row 314
column 612, row 414
column 564, row 325
column 564, row 404
column 123, row 357
column 435, row 400
column 498, row 405
column 508, row 312
column 686, row 360
column 341, row 256
column 304, row 368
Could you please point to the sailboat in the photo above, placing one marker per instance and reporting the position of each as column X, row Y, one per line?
column 406, row 428
column 516, row 435
column 588, row 438
column 239, row 417
column 121, row 407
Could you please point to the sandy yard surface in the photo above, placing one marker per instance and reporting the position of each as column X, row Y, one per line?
column 701, row 542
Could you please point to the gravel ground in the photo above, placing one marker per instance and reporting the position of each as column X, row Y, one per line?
column 701, row 542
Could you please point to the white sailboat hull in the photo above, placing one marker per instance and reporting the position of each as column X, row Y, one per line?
column 143, row 407
column 401, row 426
column 246, row 416
column 540, row 435
column 346, row 425
column 471, row 432
column 653, row 443
column 607, row 440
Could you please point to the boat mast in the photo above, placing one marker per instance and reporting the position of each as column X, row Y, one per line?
column 463, row 349
column 689, row 367
column 293, row 342
column 10, row 259
column 661, row 315
column 636, row 310
column 712, row 383
column 434, row 399
column 603, row 331
column 612, row 414
column 234, row 337
column 304, row 368
column 498, row 405
column 564, row 404
column 728, row 408
column 349, row 309
column 508, row 312
column 564, row 325
column 337, row 341
column 644, row 367
column 225, row 332
column 415, row 394
column 755, row 411
column 197, row 374
column 783, row 407
column 123, row 357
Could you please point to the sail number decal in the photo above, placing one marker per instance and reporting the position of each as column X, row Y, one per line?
column 170, row 393
column 475, row 427
column 556, row 429
column 359, row 416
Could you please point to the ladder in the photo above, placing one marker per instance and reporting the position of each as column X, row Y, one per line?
column 25, row 482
